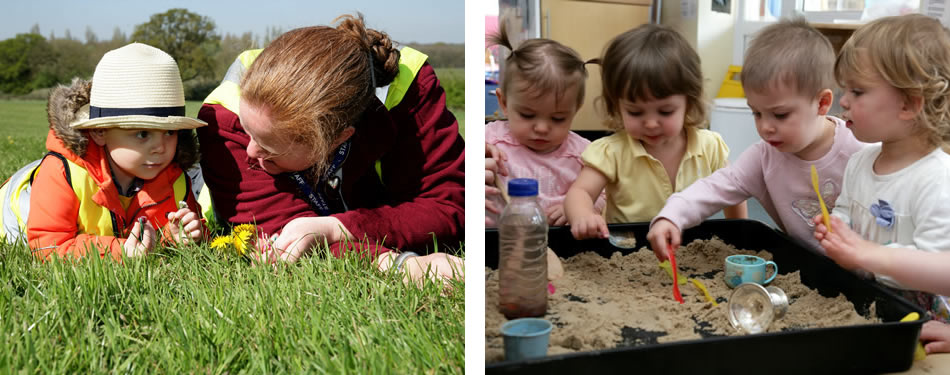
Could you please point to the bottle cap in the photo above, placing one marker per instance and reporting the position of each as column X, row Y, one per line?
column 523, row 187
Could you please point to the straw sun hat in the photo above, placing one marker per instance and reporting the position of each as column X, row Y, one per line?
column 136, row 87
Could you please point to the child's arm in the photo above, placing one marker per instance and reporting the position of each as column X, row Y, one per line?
column 585, row 221
column 730, row 185
column 52, row 225
column 494, row 167
column 915, row 269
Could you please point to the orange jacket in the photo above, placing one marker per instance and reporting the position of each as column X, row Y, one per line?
column 54, row 208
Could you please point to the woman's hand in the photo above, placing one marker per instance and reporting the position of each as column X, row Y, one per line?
column 140, row 242
column 300, row 235
column 436, row 267
column 185, row 226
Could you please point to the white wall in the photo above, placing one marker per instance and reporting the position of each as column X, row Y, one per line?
column 710, row 33
column 714, row 40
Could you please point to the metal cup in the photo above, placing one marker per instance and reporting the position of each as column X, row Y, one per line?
column 752, row 307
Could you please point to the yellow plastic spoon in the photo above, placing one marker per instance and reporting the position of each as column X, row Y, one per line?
column 824, row 209
column 920, row 353
column 665, row 265
column 702, row 287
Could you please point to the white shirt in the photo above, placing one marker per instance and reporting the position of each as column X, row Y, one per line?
column 918, row 196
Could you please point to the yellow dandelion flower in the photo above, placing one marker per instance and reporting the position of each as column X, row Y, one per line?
column 249, row 228
column 240, row 241
column 220, row 242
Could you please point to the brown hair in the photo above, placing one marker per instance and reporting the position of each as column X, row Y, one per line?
column 789, row 52
column 651, row 61
column 186, row 155
column 541, row 66
column 317, row 81
column 912, row 54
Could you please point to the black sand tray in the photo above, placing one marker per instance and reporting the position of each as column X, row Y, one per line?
column 871, row 348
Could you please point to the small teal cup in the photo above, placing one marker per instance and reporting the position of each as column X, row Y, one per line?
column 748, row 269
column 526, row 338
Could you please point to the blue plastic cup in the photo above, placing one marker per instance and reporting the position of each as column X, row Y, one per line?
column 748, row 269
column 526, row 338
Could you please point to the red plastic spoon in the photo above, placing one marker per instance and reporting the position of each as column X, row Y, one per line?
column 676, row 287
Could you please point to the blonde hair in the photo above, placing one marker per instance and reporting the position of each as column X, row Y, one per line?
column 317, row 81
column 543, row 65
column 652, row 61
column 912, row 54
column 789, row 52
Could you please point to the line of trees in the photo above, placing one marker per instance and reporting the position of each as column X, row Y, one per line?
column 30, row 61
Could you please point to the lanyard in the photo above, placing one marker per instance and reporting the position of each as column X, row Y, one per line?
column 315, row 197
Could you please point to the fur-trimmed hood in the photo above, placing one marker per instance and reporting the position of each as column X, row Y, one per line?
column 63, row 105
column 64, row 101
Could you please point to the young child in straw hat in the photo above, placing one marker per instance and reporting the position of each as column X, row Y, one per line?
column 118, row 147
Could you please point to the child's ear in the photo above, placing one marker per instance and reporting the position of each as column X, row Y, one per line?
column 913, row 105
column 98, row 136
column 501, row 101
column 826, row 99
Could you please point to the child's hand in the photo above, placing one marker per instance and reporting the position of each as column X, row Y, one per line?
column 556, row 216
column 663, row 235
column 135, row 246
column 185, row 226
column 843, row 245
column 936, row 336
column 590, row 226
column 494, row 167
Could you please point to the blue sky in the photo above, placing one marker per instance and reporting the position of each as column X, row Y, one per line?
column 422, row 21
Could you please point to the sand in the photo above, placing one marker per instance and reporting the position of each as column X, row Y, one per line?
column 603, row 303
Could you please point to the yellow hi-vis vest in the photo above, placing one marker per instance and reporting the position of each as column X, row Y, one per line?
column 228, row 95
column 92, row 219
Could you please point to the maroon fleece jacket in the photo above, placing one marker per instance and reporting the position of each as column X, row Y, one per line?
column 423, row 178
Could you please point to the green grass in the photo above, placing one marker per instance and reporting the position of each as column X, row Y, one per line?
column 460, row 116
column 453, row 82
column 194, row 310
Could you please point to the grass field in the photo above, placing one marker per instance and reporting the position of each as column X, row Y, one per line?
column 195, row 310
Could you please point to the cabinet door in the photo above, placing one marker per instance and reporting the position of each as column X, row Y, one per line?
column 587, row 27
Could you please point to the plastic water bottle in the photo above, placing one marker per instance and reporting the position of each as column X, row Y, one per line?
column 523, row 243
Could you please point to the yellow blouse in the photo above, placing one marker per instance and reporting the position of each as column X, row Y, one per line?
column 637, row 183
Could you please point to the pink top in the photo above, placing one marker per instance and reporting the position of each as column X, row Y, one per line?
column 555, row 171
column 779, row 180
